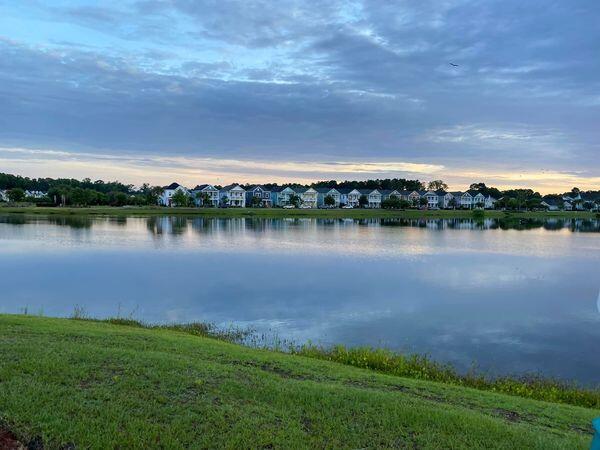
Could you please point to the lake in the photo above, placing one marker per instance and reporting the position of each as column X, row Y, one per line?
column 511, row 297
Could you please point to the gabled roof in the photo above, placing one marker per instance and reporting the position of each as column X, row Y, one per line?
column 229, row 187
column 280, row 189
column 254, row 187
column 368, row 191
column 325, row 190
column 172, row 186
column 202, row 187
column 456, row 193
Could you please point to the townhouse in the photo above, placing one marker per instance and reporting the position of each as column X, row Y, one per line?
column 257, row 195
column 322, row 193
column 281, row 196
column 232, row 195
column 206, row 195
column 308, row 197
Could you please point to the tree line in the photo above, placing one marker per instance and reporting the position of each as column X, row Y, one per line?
column 73, row 192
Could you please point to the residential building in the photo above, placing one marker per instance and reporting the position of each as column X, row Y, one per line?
column 388, row 193
column 490, row 202
column 323, row 192
column 233, row 195
column 260, row 193
column 373, row 197
column 35, row 194
column 478, row 199
column 280, row 196
column 413, row 197
column 165, row 199
column 433, row 201
column 3, row 195
column 349, row 197
column 206, row 195
column 444, row 199
column 308, row 196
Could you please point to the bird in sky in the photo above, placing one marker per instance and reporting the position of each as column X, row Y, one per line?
column 454, row 65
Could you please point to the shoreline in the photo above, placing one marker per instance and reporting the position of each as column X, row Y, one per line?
column 292, row 213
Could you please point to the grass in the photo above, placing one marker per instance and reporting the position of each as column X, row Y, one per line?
column 94, row 384
column 279, row 212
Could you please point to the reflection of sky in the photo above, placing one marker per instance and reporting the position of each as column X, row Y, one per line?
column 513, row 301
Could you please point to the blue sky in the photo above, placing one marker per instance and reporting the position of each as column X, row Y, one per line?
column 252, row 91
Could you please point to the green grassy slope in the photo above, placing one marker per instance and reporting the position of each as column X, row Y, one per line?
column 98, row 385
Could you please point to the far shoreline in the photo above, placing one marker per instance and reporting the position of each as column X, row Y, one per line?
column 292, row 213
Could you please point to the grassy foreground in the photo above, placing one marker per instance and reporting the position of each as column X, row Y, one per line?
column 97, row 385
column 281, row 213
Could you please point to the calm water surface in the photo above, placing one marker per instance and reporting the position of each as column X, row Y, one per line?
column 514, row 297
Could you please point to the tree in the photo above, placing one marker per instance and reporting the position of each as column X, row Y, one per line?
column 588, row 205
column 16, row 195
column 295, row 200
column 452, row 203
column 423, row 201
column 180, row 198
column 203, row 198
column 512, row 203
column 255, row 202
column 436, row 185
column 363, row 201
column 329, row 200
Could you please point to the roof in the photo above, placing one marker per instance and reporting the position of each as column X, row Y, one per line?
column 325, row 190
column 456, row 193
column 201, row 187
column 172, row 186
column 231, row 186
column 253, row 187
column 280, row 188
column 367, row 191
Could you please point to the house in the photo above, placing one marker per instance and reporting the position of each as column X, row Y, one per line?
column 464, row 200
column 206, row 195
column 167, row 194
column 323, row 192
column 280, row 196
column 551, row 204
column 35, row 194
column 350, row 197
column 478, row 199
column 444, row 199
column 490, row 202
column 592, row 200
column 262, row 194
column 373, row 197
column 308, row 196
column 414, row 197
column 3, row 195
column 386, row 194
column 433, row 201
column 232, row 195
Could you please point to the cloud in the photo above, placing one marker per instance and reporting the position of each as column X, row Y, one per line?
column 302, row 80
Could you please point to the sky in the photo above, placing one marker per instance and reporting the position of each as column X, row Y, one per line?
column 219, row 91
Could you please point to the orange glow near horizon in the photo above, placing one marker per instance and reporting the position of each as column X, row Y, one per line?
column 190, row 171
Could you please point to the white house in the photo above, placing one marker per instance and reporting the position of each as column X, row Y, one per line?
column 35, row 194
column 3, row 195
column 490, row 202
column 233, row 195
column 350, row 197
column 168, row 191
column 206, row 195
column 478, row 200
column 432, row 198
column 373, row 197
column 308, row 197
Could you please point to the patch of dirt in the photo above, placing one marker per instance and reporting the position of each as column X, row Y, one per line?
column 511, row 416
column 8, row 441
